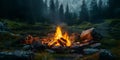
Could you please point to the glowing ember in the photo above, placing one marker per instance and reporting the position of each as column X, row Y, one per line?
column 60, row 39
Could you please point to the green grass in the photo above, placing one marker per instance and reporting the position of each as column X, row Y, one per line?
column 48, row 56
column 113, row 45
column 21, row 28
column 43, row 56
column 14, row 24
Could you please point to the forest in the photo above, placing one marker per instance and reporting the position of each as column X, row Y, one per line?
column 36, row 19
column 38, row 11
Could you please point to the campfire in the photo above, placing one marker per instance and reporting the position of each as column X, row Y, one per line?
column 63, row 39
column 60, row 38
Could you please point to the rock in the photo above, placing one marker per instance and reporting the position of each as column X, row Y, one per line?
column 106, row 55
column 1, row 26
column 59, row 49
column 50, row 51
column 90, row 50
column 77, row 49
column 95, row 45
column 26, row 47
column 17, row 55
column 38, row 46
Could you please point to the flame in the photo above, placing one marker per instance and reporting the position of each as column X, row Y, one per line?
column 65, row 36
column 58, row 33
column 60, row 38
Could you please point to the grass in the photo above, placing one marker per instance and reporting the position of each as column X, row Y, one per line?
column 14, row 24
column 116, row 52
column 113, row 45
column 21, row 28
column 48, row 56
column 91, row 57
column 43, row 56
column 116, row 49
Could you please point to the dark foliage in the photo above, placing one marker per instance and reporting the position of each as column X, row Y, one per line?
column 31, row 11
column 84, row 15
column 94, row 11
column 115, row 29
column 61, row 12
column 113, row 10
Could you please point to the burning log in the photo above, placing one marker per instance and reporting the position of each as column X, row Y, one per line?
column 53, row 44
column 61, row 43
column 64, row 40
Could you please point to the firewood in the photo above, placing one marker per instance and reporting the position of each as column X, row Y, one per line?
column 53, row 44
column 62, row 44
column 63, row 39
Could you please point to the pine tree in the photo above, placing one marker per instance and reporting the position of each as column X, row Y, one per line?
column 45, row 13
column 84, row 12
column 61, row 12
column 112, row 4
column 57, row 17
column 100, row 9
column 45, row 8
column 67, row 14
column 117, row 9
column 52, row 6
column 57, row 5
column 52, row 9
column 37, row 9
column 114, row 8
column 74, row 19
column 30, row 13
column 94, row 17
